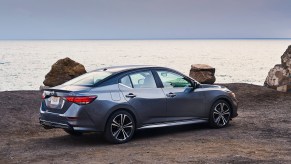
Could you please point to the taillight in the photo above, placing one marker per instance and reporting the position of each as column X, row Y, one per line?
column 43, row 95
column 82, row 100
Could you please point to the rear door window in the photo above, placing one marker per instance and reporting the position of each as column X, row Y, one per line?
column 143, row 79
column 126, row 81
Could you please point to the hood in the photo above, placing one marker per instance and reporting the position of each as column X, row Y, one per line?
column 210, row 86
column 213, row 87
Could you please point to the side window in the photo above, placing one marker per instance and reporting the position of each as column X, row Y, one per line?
column 173, row 80
column 126, row 81
column 143, row 80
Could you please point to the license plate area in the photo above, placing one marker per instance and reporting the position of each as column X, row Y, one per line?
column 55, row 102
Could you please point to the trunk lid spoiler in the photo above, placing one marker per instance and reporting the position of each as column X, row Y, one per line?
column 62, row 90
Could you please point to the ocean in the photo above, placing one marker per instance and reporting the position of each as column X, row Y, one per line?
column 24, row 64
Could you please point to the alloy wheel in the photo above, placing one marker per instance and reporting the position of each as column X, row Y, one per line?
column 122, row 127
column 221, row 114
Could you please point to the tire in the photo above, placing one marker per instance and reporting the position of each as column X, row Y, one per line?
column 220, row 113
column 120, row 127
column 72, row 132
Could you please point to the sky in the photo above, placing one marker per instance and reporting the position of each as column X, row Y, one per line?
column 144, row 19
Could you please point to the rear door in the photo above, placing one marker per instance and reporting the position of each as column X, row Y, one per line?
column 140, row 90
column 182, row 102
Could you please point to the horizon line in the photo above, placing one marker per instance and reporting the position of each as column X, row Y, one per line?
column 159, row 39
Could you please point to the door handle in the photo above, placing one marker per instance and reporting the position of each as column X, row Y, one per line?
column 130, row 95
column 170, row 94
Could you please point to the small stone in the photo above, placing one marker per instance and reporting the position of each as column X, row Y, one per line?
column 283, row 88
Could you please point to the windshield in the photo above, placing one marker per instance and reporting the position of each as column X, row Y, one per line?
column 88, row 79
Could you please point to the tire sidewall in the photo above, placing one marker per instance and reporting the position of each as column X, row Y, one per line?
column 108, row 134
column 211, row 119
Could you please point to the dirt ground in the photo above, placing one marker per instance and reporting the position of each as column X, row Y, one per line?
column 260, row 134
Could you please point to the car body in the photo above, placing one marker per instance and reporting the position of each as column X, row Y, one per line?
column 135, row 97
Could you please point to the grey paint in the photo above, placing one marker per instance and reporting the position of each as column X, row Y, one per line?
column 185, row 104
column 150, row 107
column 149, row 103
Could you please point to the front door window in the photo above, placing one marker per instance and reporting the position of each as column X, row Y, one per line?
column 173, row 80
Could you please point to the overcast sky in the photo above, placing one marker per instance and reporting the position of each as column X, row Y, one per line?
column 144, row 19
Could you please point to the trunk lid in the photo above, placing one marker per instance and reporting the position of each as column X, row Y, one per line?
column 54, row 98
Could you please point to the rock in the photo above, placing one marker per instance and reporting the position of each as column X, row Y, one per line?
column 279, row 77
column 63, row 70
column 202, row 73
column 284, row 88
column 42, row 87
column 286, row 59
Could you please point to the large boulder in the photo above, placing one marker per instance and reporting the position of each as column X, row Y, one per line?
column 286, row 59
column 202, row 73
column 63, row 70
column 279, row 77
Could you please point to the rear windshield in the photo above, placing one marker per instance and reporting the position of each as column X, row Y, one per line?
column 88, row 79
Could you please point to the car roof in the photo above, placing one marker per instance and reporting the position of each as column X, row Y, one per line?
column 118, row 69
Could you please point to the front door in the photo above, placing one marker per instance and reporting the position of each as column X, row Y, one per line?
column 182, row 102
column 141, row 91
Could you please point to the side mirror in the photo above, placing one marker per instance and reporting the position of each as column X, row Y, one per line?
column 194, row 84
column 192, row 87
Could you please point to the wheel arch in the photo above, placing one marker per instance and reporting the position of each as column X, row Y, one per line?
column 225, row 98
column 126, row 108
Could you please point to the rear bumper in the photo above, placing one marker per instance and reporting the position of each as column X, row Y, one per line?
column 50, row 124
column 54, row 120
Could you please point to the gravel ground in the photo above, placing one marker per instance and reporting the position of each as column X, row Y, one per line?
column 260, row 134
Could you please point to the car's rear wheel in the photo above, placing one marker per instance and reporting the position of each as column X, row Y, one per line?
column 120, row 127
column 72, row 132
column 220, row 114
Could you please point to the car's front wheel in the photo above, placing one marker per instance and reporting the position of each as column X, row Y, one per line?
column 120, row 127
column 219, row 114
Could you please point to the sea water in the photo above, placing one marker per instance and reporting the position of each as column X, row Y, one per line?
column 24, row 64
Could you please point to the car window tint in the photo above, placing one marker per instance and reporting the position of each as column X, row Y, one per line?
column 88, row 79
column 173, row 80
column 126, row 81
column 143, row 80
